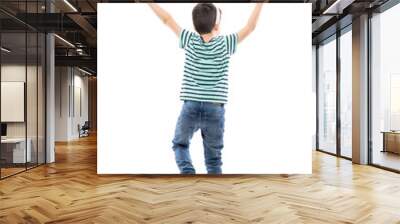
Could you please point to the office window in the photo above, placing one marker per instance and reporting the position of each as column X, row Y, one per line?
column 385, row 89
column 346, row 93
column 327, row 96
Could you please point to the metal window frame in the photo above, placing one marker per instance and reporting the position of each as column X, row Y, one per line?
column 340, row 32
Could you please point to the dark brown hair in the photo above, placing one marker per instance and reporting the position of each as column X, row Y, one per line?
column 204, row 17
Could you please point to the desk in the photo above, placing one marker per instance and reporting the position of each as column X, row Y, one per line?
column 391, row 141
column 13, row 150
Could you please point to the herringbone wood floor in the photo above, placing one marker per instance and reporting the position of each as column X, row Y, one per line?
column 70, row 191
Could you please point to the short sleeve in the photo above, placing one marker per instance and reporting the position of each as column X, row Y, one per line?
column 231, row 41
column 184, row 38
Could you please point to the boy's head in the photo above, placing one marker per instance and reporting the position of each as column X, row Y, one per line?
column 206, row 18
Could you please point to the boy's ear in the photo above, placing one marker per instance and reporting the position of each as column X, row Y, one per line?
column 216, row 27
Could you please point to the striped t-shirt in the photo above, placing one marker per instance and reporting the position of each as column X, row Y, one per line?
column 205, row 77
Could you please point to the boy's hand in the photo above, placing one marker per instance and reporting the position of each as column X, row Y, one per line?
column 251, row 23
column 166, row 18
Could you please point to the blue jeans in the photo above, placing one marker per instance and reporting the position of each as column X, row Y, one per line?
column 210, row 119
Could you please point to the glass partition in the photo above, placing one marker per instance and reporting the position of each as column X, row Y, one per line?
column 14, row 153
column 385, row 89
column 32, row 73
column 22, row 101
column 346, row 93
column 327, row 96
column 32, row 96
column 41, row 109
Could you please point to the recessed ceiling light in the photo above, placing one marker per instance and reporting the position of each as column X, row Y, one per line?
column 338, row 6
column 64, row 40
column 5, row 50
column 70, row 5
column 84, row 71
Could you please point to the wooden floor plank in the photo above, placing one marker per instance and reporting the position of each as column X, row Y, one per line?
column 70, row 191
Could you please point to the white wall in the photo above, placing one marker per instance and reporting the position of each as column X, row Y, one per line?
column 69, row 82
column 12, row 73
column 33, row 127
column 80, row 84
column 61, row 103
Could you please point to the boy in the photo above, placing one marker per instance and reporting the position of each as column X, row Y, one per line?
column 205, row 82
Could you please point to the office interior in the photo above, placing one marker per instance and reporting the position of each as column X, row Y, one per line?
column 335, row 74
column 49, row 86
column 47, row 81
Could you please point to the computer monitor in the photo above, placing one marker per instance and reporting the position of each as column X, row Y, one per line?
column 3, row 129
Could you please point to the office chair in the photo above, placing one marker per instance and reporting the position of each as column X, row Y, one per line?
column 84, row 130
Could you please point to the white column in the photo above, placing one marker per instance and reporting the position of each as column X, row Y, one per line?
column 50, row 93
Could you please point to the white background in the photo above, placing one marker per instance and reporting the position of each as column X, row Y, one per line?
column 268, row 125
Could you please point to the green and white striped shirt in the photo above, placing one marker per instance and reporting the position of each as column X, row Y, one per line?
column 205, row 76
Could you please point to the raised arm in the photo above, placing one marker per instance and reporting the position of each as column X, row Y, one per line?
column 251, row 23
column 166, row 18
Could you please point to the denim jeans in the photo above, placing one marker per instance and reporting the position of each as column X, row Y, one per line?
column 210, row 119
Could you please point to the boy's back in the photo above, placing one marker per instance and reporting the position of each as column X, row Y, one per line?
column 205, row 82
column 206, row 66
